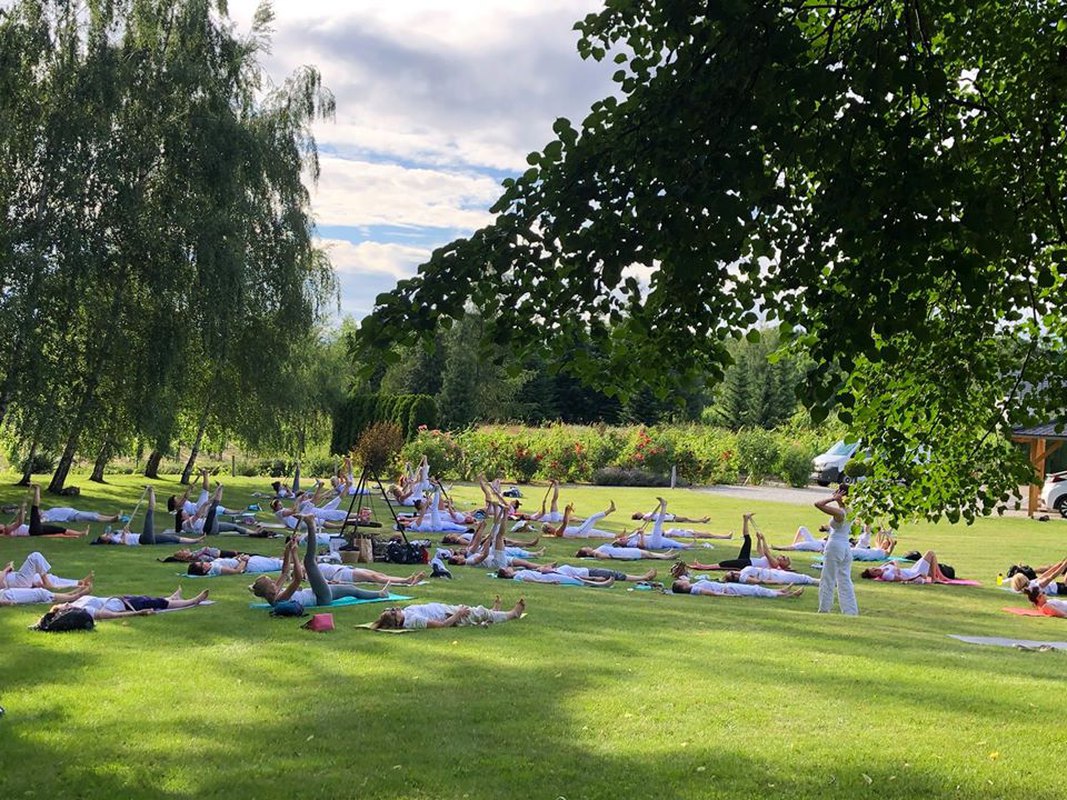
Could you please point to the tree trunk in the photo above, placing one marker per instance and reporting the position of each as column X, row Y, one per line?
column 27, row 469
column 151, row 467
column 66, row 461
column 102, row 458
column 188, row 471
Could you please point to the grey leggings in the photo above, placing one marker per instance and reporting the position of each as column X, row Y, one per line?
column 326, row 593
column 149, row 535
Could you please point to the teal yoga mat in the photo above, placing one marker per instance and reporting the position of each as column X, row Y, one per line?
column 344, row 601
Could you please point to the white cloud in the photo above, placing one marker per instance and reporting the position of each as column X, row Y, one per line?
column 361, row 193
column 382, row 258
column 431, row 97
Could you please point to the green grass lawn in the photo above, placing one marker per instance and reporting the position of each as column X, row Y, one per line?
column 596, row 694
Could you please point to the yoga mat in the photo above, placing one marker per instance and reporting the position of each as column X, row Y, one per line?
column 344, row 601
column 1022, row 644
column 960, row 582
column 1024, row 612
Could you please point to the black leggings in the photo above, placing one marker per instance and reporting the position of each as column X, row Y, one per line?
column 38, row 529
column 744, row 556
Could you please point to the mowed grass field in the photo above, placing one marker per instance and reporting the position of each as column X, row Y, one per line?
column 595, row 694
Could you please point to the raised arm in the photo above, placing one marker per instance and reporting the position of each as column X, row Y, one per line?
column 832, row 506
column 1053, row 572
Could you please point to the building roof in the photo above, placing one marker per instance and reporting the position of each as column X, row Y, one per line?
column 1046, row 431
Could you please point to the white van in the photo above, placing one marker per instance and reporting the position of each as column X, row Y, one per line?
column 829, row 467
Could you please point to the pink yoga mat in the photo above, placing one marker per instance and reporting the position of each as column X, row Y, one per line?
column 961, row 583
column 1024, row 612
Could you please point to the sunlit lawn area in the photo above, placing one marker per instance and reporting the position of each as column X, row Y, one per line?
column 596, row 694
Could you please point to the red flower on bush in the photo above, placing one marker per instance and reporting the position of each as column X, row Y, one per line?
column 423, row 429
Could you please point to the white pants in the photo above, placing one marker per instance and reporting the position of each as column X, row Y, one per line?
column 63, row 514
column 21, row 596
column 586, row 529
column 837, row 575
column 30, row 574
column 480, row 615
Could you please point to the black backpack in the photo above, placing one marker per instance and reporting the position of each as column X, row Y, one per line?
column 1022, row 569
column 406, row 553
column 69, row 619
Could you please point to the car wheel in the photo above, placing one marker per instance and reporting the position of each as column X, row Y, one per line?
column 823, row 483
column 1061, row 505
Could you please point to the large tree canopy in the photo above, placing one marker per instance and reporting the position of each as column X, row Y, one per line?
column 884, row 178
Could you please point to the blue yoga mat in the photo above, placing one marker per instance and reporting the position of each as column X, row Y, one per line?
column 344, row 601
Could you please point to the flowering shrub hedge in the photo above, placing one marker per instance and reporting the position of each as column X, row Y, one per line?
column 576, row 454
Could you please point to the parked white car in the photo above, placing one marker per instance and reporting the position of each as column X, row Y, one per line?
column 1054, row 492
column 829, row 467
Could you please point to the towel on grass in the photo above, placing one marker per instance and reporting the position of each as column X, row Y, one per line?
column 1025, row 612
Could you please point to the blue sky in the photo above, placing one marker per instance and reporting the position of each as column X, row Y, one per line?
column 437, row 102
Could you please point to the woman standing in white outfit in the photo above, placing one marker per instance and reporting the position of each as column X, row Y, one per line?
column 837, row 557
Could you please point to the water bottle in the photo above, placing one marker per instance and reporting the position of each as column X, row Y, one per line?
column 1000, row 579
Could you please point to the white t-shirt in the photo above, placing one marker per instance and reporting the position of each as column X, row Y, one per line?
column 620, row 553
column 573, row 572
column 839, row 530
column 533, row 576
column 93, row 604
column 263, row 564
column 1052, row 588
column 416, row 617
column 58, row 514
column 219, row 563
column 306, row 597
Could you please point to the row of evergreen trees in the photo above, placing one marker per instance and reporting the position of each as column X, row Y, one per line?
column 472, row 385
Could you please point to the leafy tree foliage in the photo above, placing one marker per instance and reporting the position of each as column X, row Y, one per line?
column 885, row 179
column 155, row 250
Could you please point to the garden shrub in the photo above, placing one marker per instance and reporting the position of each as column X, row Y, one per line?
column 795, row 465
column 757, row 452
column 621, row 476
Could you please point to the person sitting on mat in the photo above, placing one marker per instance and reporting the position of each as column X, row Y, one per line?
column 321, row 592
column 439, row 615
column 127, row 605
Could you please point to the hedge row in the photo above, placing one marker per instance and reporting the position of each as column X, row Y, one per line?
column 702, row 454
column 357, row 413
